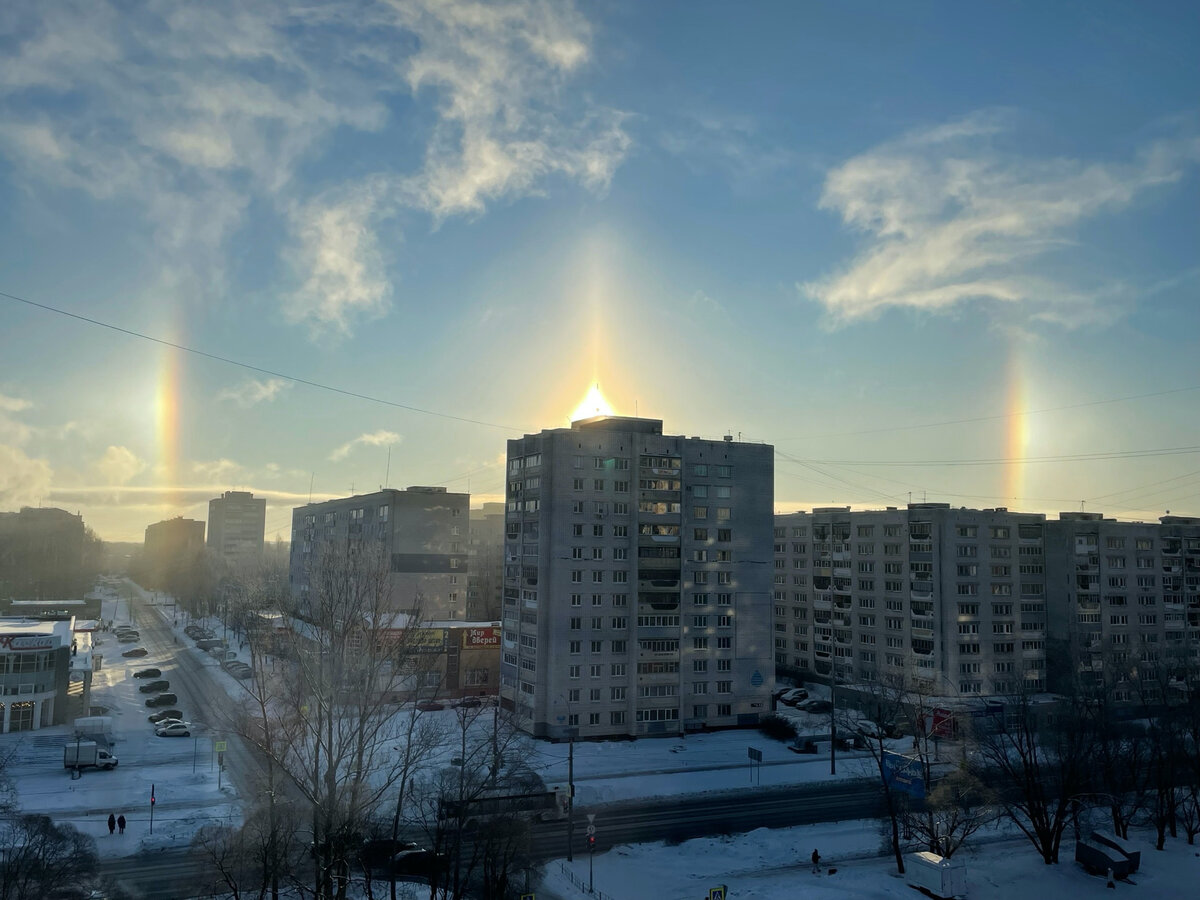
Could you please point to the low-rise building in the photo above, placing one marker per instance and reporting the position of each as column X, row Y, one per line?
column 35, row 672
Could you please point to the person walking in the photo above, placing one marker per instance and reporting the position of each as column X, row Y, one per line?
column 121, row 822
column 816, row 861
column 112, row 823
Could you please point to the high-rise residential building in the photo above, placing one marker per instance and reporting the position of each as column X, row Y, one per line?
column 173, row 538
column 42, row 554
column 421, row 534
column 485, row 567
column 1125, row 594
column 953, row 598
column 982, row 602
column 637, row 582
column 236, row 525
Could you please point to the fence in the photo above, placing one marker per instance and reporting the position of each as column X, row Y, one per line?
column 582, row 884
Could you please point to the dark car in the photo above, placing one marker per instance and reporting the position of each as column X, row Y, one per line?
column 470, row 702
column 155, row 687
column 209, row 643
column 162, row 700
column 135, row 651
column 418, row 863
column 430, row 706
column 378, row 853
column 147, row 673
column 165, row 714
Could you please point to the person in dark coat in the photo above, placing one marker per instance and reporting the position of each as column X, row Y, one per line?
column 112, row 823
column 816, row 859
column 121, row 822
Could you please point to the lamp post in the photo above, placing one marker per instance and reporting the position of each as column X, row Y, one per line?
column 571, row 729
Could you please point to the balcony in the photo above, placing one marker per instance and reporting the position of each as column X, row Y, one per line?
column 920, row 535
column 822, row 602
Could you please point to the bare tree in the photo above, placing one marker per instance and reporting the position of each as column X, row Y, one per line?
column 1037, row 757
column 39, row 858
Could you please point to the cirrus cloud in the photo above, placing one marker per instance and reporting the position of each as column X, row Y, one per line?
column 948, row 219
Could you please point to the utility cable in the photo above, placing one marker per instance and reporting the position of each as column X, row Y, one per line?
column 259, row 369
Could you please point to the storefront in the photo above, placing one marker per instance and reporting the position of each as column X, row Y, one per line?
column 35, row 664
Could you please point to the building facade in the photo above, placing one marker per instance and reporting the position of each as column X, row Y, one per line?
column 1126, row 593
column 954, row 599
column 973, row 602
column 485, row 566
column 35, row 667
column 173, row 538
column 42, row 554
column 637, row 581
column 237, row 522
column 421, row 532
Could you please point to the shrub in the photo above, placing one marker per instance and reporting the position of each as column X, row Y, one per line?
column 777, row 727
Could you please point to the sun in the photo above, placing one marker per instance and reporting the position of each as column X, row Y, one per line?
column 593, row 404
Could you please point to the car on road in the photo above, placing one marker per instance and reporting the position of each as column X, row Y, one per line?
column 135, row 651
column 154, row 687
column 377, row 853
column 430, row 706
column 127, row 638
column 162, row 700
column 147, row 673
column 165, row 715
column 172, row 729
column 420, row 863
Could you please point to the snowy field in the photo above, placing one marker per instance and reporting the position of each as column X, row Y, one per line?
column 774, row 865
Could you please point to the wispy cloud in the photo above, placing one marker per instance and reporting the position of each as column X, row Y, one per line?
column 23, row 480
column 199, row 111
column 374, row 439
column 119, row 465
column 253, row 392
column 11, row 428
column 949, row 219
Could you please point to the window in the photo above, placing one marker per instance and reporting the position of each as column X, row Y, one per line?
column 724, row 535
column 576, row 553
column 724, row 643
column 699, row 687
column 577, row 576
column 724, row 709
column 723, row 513
column 724, row 621
column 724, row 687
column 724, row 665
column 700, row 711
column 699, row 621
column 597, row 647
column 577, row 530
column 700, row 643
column 577, row 599
column 575, row 646
column 598, row 484
column 576, row 623
column 617, row 669
column 572, row 671
column 616, row 718
column 577, row 484
column 594, row 670
column 699, row 512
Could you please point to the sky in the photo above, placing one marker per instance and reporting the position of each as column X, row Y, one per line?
column 929, row 251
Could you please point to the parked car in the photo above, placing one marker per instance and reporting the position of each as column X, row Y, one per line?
column 147, row 673
column 209, row 643
column 430, row 705
column 794, row 696
column 153, row 687
column 135, row 651
column 127, row 638
column 815, row 706
column 167, row 720
column 419, row 862
column 242, row 673
column 378, row 853
column 165, row 715
column 867, row 728
column 173, row 729
column 162, row 700
column 470, row 702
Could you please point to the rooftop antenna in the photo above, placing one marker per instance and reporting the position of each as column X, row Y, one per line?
column 311, row 476
column 388, row 475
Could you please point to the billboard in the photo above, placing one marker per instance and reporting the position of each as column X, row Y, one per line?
column 476, row 638
column 428, row 640
column 27, row 642
column 903, row 774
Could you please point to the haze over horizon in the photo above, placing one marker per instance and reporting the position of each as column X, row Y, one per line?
column 922, row 249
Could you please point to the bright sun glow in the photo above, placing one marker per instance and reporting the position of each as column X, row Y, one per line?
column 593, row 404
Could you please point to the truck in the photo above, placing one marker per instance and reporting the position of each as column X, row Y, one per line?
column 1103, row 851
column 935, row 875
column 82, row 754
column 93, row 726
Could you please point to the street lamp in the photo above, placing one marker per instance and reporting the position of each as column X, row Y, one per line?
column 571, row 729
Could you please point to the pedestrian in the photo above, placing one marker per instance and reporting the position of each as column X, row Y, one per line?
column 816, row 859
column 112, row 823
column 121, row 822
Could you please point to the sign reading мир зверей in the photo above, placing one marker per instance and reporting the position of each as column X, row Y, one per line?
column 481, row 637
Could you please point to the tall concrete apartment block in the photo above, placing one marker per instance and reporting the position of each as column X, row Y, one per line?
column 1130, row 592
column 237, row 521
column 485, row 572
column 422, row 532
column 955, row 598
column 637, row 582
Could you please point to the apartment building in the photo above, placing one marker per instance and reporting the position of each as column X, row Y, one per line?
column 421, row 531
column 954, row 598
column 237, row 521
column 637, row 580
column 1124, row 593
column 485, row 567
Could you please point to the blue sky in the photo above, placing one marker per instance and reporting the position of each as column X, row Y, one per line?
column 829, row 227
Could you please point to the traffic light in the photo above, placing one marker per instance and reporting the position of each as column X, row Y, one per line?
column 591, row 843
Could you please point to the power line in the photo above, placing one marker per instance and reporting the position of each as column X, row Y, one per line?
column 995, row 416
column 1076, row 457
column 259, row 369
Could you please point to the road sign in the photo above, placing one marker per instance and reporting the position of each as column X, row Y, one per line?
column 718, row 893
column 591, row 818
column 591, row 829
column 220, row 746
column 755, row 754
column 528, row 897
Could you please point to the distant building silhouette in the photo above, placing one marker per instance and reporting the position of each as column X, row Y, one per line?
column 236, row 526
column 45, row 554
column 485, row 567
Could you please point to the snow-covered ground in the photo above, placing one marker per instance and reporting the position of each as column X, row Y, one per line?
column 187, row 795
column 775, row 865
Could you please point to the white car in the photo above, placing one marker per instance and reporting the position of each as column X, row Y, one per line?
column 172, row 729
column 794, row 696
column 867, row 728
